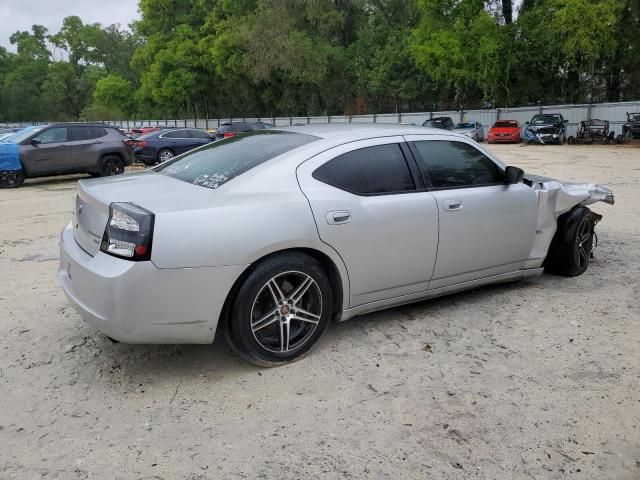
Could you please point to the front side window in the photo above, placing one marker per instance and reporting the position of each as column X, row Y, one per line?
column 449, row 164
column 176, row 134
column 198, row 134
column 53, row 135
column 368, row 171
column 215, row 164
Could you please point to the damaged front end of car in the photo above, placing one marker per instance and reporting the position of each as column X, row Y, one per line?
column 542, row 134
column 560, row 206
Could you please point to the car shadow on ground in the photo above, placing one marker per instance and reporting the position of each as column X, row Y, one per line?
column 169, row 363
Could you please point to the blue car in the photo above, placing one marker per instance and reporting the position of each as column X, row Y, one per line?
column 163, row 145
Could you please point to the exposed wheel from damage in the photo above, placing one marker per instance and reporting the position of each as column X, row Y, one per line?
column 572, row 244
column 11, row 178
column 111, row 165
column 281, row 310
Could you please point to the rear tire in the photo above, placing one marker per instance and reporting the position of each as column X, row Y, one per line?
column 164, row 155
column 111, row 165
column 281, row 310
column 570, row 249
column 11, row 178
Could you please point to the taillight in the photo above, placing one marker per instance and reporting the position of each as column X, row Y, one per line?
column 128, row 141
column 229, row 135
column 139, row 143
column 129, row 232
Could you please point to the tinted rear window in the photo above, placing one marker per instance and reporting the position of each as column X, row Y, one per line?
column 219, row 162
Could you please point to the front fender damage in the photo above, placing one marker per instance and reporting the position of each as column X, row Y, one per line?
column 554, row 199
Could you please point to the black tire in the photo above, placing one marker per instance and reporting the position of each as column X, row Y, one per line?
column 570, row 249
column 258, row 336
column 11, row 178
column 111, row 165
column 165, row 154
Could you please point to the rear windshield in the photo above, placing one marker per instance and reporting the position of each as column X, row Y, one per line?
column 214, row 165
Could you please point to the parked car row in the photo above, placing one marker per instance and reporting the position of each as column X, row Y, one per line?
column 543, row 128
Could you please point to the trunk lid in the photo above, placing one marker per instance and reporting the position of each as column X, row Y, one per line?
column 150, row 190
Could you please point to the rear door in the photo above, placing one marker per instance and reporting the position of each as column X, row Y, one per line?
column 179, row 141
column 487, row 227
column 48, row 152
column 84, row 145
column 369, row 206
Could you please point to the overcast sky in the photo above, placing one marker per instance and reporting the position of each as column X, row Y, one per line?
column 21, row 14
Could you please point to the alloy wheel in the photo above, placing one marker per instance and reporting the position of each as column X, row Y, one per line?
column 583, row 242
column 286, row 312
column 165, row 156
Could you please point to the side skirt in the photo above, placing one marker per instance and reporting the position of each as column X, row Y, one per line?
column 439, row 292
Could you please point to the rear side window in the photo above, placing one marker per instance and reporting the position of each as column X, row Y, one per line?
column 456, row 164
column 373, row 170
column 214, row 165
column 86, row 133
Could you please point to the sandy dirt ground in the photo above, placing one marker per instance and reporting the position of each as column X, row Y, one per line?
column 535, row 380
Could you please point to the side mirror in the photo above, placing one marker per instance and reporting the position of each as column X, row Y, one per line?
column 35, row 142
column 513, row 174
column 566, row 121
column 526, row 123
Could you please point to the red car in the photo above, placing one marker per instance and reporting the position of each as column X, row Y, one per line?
column 506, row 131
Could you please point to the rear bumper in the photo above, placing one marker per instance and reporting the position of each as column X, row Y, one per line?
column 135, row 302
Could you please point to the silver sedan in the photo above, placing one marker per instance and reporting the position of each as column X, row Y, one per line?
column 270, row 235
column 473, row 130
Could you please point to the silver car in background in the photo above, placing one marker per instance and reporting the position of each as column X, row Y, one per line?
column 473, row 130
column 270, row 235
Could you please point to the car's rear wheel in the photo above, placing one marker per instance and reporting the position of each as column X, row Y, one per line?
column 572, row 244
column 11, row 178
column 111, row 165
column 165, row 155
column 281, row 310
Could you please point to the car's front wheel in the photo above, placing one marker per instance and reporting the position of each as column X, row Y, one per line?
column 11, row 178
column 572, row 244
column 111, row 165
column 281, row 310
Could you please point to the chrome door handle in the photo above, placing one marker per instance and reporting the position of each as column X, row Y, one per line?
column 452, row 205
column 338, row 217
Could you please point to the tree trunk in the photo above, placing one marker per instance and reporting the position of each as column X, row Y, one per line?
column 507, row 11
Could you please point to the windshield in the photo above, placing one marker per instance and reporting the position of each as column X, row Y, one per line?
column 505, row 125
column 217, row 163
column 544, row 119
column 23, row 134
column 466, row 125
column 634, row 117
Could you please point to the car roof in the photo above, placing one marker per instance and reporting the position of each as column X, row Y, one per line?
column 359, row 131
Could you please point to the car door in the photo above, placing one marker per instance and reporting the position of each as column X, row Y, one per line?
column 84, row 145
column 369, row 206
column 47, row 152
column 200, row 138
column 487, row 227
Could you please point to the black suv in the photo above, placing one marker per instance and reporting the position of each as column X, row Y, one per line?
column 631, row 128
column 443, row 123
column 546, row 128
column 63, row 148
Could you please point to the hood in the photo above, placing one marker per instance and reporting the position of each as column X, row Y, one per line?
column 504, row 130
column 545, row 126
column 463, row 131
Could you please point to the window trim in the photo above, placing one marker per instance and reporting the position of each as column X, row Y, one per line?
column 427, row 178
column 162, row 135
column 417, row 181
